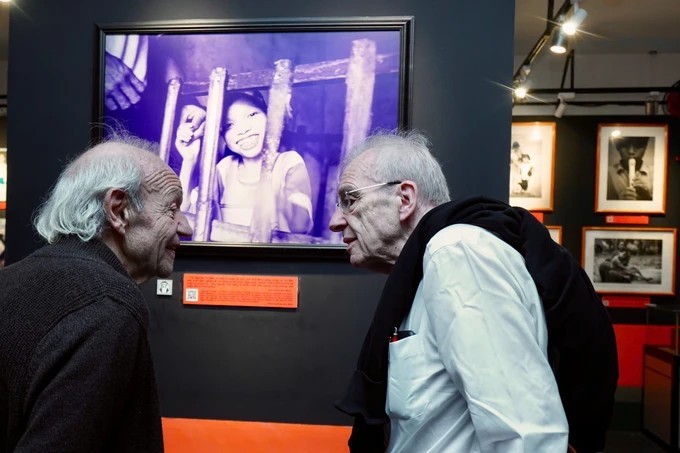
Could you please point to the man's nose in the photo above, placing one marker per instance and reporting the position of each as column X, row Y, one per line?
column 338, row 221
column 183, row 227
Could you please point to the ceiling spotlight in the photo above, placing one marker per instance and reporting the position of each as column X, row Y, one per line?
column 578, row 15
column 521, row 85
column 559, row 41
column 562, row 105
column 521, row 92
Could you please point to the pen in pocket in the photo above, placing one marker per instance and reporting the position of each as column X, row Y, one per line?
column 400, row 335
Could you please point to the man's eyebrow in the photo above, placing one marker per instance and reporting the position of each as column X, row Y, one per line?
column 346, row 187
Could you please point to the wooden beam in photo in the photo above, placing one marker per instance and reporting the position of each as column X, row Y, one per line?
column 204, row 206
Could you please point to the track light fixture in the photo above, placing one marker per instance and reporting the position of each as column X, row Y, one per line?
column 558, row 43
column 520, row 87
column 562, row 104
column 652, row 103
column 578, row 15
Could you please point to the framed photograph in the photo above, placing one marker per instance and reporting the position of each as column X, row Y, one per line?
column 532, row 165
column 631, row 168
column 255, row 116
column 555, row 233
column 630, row 260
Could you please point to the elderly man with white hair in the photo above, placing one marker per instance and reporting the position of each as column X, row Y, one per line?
column 77, row 373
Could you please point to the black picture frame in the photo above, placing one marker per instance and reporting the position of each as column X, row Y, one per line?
column 326, row 83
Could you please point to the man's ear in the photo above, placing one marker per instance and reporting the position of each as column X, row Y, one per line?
column 408, row 191
column 115, row 207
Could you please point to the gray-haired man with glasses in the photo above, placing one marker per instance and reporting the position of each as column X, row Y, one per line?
column 457, row 356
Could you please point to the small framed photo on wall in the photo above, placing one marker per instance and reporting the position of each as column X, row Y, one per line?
column 555, row 233
column 532, row 160
column 631, row 168
column 630, row 260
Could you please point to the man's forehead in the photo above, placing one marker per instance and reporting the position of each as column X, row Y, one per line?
column 358, row 171
column 162, row 180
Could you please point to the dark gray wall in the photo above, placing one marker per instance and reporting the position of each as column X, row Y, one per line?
column 260, row 364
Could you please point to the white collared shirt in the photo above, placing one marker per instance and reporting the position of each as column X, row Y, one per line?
column 475, row 376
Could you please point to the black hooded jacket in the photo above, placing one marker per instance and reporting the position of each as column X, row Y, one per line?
column 581, row 342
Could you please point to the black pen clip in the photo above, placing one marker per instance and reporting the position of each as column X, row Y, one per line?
column 401, row 334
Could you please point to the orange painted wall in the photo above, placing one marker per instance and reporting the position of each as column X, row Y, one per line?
column 631, row 340
column 182, row 435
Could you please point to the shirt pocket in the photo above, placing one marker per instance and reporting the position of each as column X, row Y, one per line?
column 407, row 396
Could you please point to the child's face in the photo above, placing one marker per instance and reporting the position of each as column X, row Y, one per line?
column 631, row 147
column 245, row 126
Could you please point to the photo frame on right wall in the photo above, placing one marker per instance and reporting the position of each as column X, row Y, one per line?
column 532, row 165
column 631, row 168
column 630, row 260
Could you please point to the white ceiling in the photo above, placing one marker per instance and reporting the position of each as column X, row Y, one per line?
column 611, row 27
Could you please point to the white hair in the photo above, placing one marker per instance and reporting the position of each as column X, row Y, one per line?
column 75, row 206
column 403, row 155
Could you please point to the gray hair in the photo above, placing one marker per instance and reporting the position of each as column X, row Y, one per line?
column 405, row 155
column 75, row 206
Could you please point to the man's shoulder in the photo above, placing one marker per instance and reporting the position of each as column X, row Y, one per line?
column 462, row 233
column 59, row 273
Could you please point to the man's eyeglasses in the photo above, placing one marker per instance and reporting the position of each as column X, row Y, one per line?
column 346, row 199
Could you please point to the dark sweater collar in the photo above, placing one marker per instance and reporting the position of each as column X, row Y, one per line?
column 94, row 249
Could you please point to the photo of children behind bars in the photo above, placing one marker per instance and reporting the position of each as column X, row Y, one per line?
column 254, row 124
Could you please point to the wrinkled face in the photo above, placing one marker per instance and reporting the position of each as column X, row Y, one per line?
column 152, row 235
column 244, row 129
column 371, row 226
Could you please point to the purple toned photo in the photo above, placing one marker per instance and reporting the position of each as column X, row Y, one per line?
column 256, row 117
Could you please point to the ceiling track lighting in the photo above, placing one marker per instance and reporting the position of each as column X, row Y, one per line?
column 575, row 19
column 561, row 107
column 559, row 26
column 569, row 10
column 520, row 85
column 562, row 99
column 559, row 41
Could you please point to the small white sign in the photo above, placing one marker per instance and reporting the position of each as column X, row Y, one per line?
column 163, row 287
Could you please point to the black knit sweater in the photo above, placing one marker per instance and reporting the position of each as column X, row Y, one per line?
column 75, row 365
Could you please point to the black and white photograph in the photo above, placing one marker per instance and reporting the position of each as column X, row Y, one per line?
column 621, row 260
column 631, row 168
column 532, row 156
column 255, row 117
